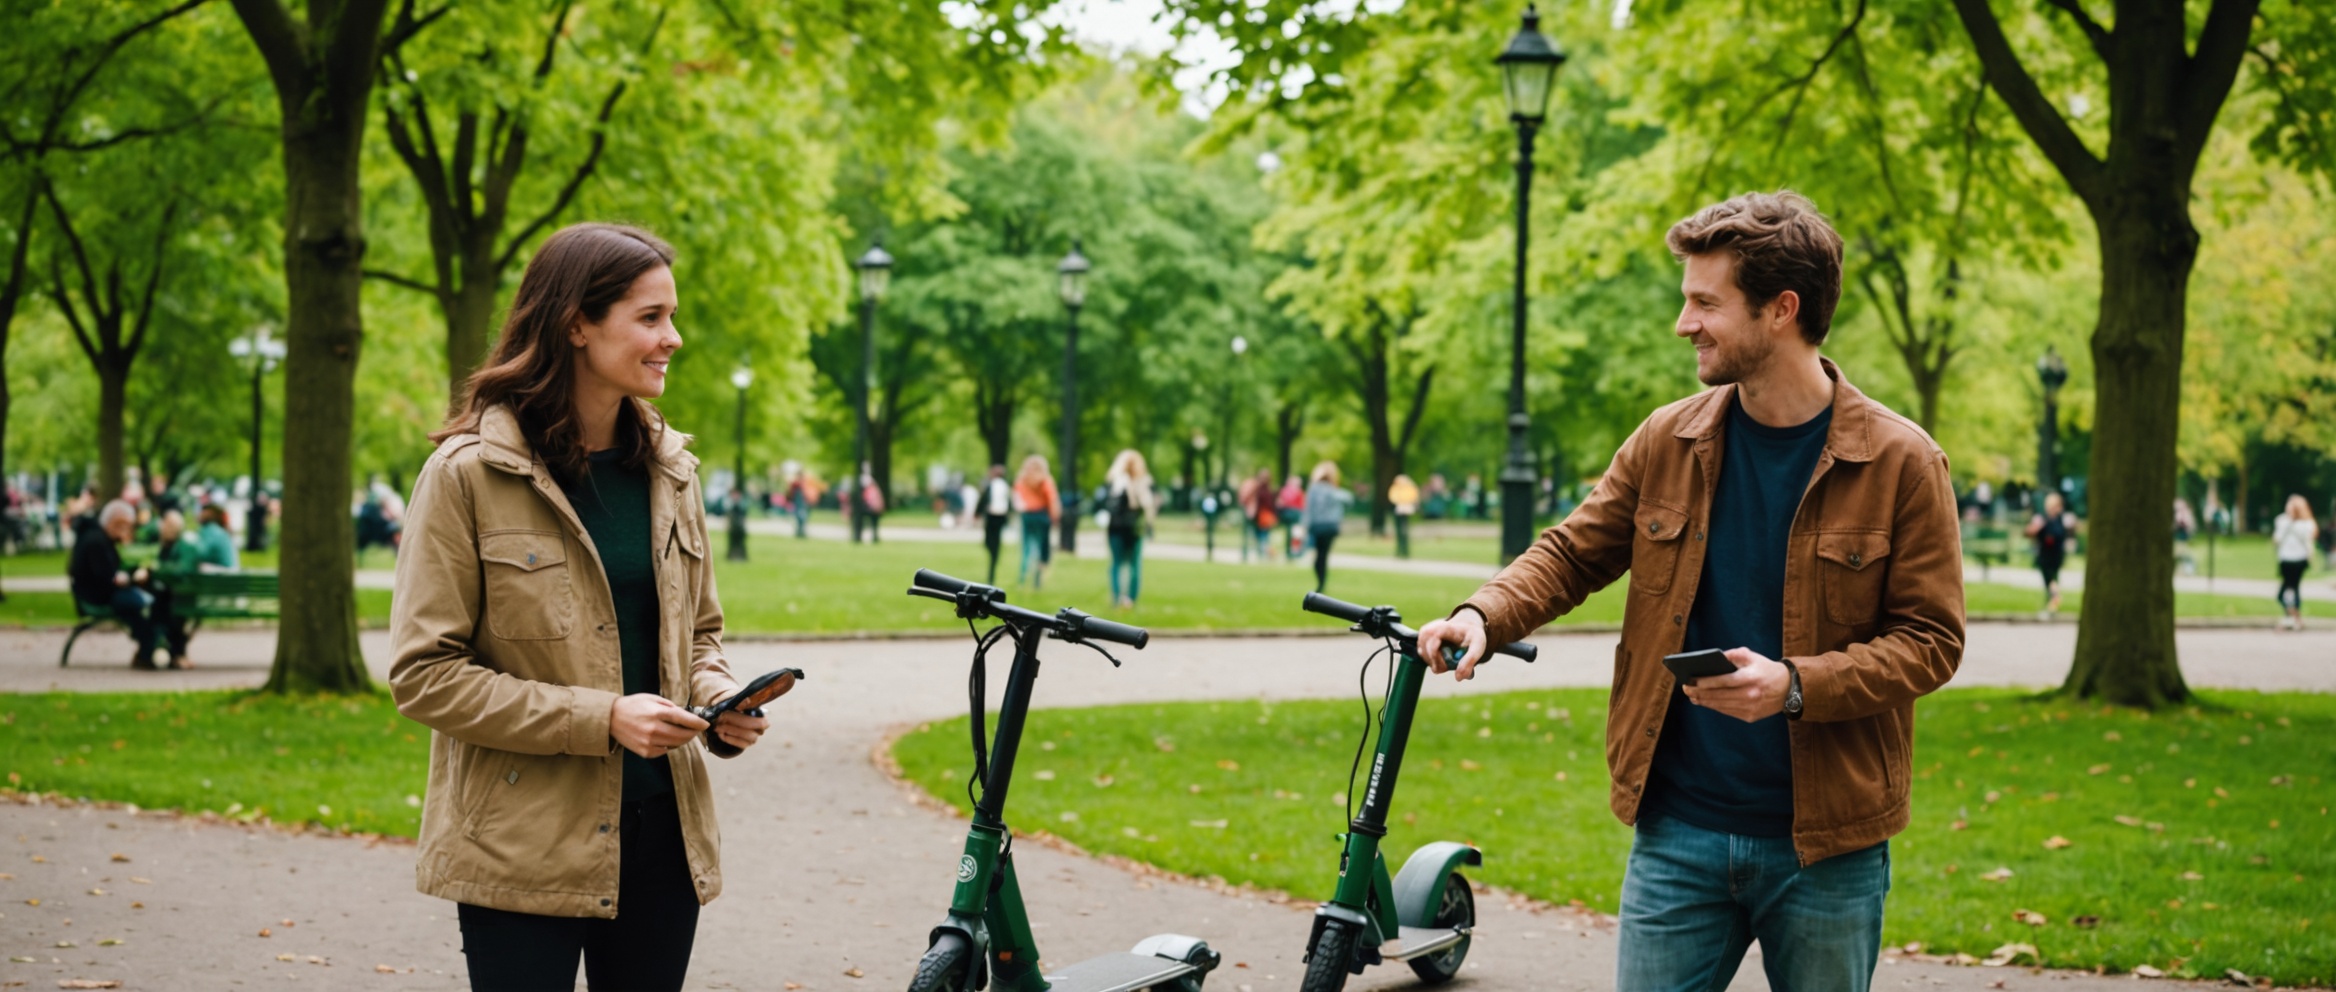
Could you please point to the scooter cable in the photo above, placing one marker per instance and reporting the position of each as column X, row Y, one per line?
column 977, row 690
column 1363, row 688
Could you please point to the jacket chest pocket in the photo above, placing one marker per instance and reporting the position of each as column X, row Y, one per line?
column 530, row 593
column 1654, row 552
column 1852, row 567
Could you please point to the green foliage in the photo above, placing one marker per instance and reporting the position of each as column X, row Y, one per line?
column 2196, row 839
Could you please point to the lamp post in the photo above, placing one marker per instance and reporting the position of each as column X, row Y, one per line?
column 1073, row 273
column 2054, row 373
column 875, row 271
column 264, row 353
column 1241, row 366
column 741, row 378
column 1528, row 67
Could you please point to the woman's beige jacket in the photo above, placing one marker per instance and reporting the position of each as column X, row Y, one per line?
column 505, row 644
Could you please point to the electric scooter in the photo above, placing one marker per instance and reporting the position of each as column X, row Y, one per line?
column 1424, row 916
column 986, row 937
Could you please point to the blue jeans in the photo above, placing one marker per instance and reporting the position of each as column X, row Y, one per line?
column 1127, row 550
column 1036, row 548
column 134, row 608
column 1693, row 900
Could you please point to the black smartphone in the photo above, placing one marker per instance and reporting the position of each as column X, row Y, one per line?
column 1687, row 666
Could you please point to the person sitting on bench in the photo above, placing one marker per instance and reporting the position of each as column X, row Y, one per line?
column 101, row 583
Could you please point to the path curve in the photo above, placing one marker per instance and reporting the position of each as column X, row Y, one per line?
column 829, row 868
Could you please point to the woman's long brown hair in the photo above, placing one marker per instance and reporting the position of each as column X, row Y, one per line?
column 576, row 275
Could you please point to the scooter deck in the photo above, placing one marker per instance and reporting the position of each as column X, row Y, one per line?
column 1413, row 942
column 1121, row 972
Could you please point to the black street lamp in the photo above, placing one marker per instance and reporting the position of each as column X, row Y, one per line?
column 264, row 353
column 875, row 271
column 741, row 378
column 1073, row 271
column 1528, row 67
column 2054, row 372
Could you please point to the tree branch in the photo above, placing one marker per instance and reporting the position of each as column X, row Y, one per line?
column 19, row 259
column 2094, row 33
column 283, row 45
column 2059, row 142
column 394, row 279
column 105, row 53
column 145, row 319
column 2222, row 44
column 73, row 239
column 351, row 52
column 64, row 302
column 585, row 168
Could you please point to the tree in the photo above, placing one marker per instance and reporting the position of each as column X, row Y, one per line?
column 2164, row 94
column 322, row 67
column 110, row 322
column 492, row 100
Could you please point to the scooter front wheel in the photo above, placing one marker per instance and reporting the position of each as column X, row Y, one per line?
column 1455, row 911
column 944, row 966
column 1331, row 958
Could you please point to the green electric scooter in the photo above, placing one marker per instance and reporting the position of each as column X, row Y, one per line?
column 1426, row 914
column 986, row 937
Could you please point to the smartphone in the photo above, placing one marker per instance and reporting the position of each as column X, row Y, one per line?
column 1687, row 666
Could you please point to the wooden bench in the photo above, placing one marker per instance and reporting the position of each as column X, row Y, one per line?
column 197, row 596
column 1990, row 545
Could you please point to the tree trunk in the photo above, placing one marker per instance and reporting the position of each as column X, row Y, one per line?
column 2125, row 647
column 880, row 457
column 470, row 323
column 1288, row 422
column 112, row 396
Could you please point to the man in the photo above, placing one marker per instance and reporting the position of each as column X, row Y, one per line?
column 100, row 581
column 1787, row 518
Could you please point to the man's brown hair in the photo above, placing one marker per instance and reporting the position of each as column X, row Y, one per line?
column 1780, row 242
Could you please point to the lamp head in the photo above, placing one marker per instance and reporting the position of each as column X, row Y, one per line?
column 1528, row 68
column 1073, row 272
column 875, row 267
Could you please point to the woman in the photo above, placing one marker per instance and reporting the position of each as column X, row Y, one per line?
column 2051, row 530
column 552, row 621
column 2292, row 536
column 1131, row 505
column 216, row 543
column 1288, row 507
column 1041, row 506
column 1403, row 498
column 1325, row 508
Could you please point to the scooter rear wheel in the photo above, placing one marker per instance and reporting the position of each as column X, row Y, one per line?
column 1456, row 911
column 944, row 966
column 1331, row 959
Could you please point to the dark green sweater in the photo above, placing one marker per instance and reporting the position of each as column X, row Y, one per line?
column 613, row 502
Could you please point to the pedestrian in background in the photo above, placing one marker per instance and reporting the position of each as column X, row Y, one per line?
column 1041, row 506
column 2051, row 530
column 2292, row 536
column 1257, row 498
column 103, row 581
column 1325, row 509
column 997, row 507
column 1130, row 504
column 799, row 498
column 1288, row 507
column 872, row 503
column 1403, row 496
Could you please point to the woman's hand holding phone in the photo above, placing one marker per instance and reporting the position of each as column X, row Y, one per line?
column 649, row 725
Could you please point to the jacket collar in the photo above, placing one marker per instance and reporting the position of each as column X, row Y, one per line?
column 505, row 447
column 1849, row 437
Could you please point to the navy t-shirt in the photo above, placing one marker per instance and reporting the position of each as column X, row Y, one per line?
column 1711, row 769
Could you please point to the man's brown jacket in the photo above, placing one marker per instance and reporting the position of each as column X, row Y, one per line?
column 1873, row 600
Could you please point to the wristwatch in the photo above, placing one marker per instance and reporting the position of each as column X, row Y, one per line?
column 1792, row 694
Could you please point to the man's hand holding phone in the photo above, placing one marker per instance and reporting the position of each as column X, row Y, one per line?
column 1754, row 690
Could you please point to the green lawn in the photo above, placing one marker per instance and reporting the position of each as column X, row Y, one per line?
column 346, row 763
column 2200, row 840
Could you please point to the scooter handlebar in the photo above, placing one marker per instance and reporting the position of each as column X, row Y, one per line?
column 1099, row 629
column 1337, row 608
column 928, row 579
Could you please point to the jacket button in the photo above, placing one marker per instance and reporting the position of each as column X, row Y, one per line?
column 512, row 778
column 604, row 902
column 604, row 828
column 1676, row 620
column 1856, row 559
column 1650, row 731
column 1654, row 528
column 1699, row 535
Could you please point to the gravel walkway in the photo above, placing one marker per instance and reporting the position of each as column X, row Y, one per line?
column 833, row 872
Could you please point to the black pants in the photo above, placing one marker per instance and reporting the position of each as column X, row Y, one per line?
column 1322, row 537
column 993, row 537
column 2291, row 584
column 646, row 947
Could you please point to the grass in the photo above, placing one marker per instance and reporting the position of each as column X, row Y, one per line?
column 347, row 763
column 2200, row 839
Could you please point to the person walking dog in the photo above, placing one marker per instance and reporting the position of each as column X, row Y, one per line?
column 1809, row 532
column 554, row 614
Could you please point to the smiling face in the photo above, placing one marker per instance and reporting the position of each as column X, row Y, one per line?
column 626, row 352
column 1731, row 342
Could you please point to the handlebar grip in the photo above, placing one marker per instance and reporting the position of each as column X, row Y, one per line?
column 1318, row 603
column 928, row 579
column 1100, row 629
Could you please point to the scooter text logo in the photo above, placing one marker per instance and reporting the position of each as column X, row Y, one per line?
column 966, row 868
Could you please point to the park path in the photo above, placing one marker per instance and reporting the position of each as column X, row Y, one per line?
column 832, row 871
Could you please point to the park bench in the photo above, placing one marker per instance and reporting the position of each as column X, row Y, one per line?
column 198, row 596
column 1990, row 545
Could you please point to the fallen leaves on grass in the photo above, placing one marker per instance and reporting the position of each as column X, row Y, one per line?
column 1998, row 875
column 2130, row 821
column 2056, row 842
column 2145, row 971
column 2009, row 953
column 1228, row 764
column 2085, row 922
column 2030, row 917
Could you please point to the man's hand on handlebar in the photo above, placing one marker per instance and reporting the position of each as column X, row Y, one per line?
column 649, row 725
column 738, row 729
column 1464, row 629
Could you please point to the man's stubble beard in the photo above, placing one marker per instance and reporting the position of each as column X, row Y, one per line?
column 1735, row 364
